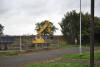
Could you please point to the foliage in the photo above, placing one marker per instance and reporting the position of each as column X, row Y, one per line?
column 71, row 24
column 97, row 29
column 1, row 29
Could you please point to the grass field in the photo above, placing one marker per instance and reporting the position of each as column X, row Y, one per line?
column 9, row 53
column 60, row 65
column 83, row 56
column 34, row 49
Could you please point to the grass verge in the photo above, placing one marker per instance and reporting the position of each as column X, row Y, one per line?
column 83, row 56
column 60, row 65
column 10, row 53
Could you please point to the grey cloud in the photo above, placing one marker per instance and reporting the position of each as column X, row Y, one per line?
column 41, row 7
column 97, row 8
column 22, row 12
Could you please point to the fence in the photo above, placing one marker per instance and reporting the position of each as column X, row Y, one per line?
column 25, row 43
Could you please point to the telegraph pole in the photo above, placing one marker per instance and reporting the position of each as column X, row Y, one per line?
column 92, row 35
column 80, row 31
column 20, row 43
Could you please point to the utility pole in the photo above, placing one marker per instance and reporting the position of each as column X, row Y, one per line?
column 20, row 43
column 80, row 31
column 92, row 35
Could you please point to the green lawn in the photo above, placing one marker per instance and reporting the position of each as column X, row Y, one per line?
column 10, row 53
column 60, row 65
column 13, row 53
column 72, row 64
column 83, row 56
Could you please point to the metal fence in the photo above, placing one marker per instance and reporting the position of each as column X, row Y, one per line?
column 25, row 43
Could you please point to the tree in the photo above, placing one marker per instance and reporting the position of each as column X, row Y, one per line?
column 97, row 29
column 45, row 31
column 70, row 27
column 1, row 29
column 1, row 32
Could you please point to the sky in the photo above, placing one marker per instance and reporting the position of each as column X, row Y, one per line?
column 20, row 16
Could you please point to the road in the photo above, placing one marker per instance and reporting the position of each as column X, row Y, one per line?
column 35, row 57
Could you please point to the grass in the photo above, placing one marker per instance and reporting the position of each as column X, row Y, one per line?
column 60, row 65
column 13, row 53
column 10, row 53
column 83, row 56
column 69, row 64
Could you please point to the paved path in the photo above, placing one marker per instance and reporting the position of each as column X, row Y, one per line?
column 35, row 57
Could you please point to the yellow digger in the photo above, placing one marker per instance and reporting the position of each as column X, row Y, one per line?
column 39, row 40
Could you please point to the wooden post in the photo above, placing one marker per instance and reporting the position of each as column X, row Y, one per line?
column 92, row 35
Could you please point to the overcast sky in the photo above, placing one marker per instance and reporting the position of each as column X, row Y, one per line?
column 20, row 16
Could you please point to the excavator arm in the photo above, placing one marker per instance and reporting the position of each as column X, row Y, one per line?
column 38, row 39
column 47, row 25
